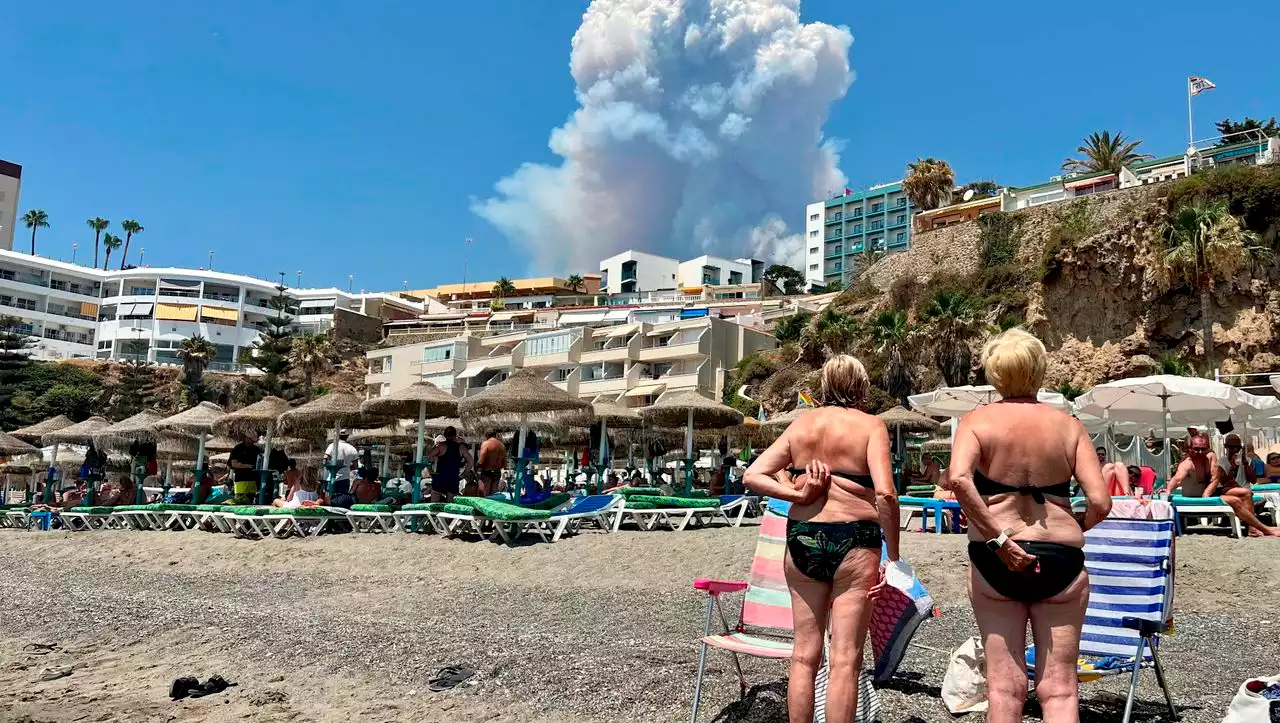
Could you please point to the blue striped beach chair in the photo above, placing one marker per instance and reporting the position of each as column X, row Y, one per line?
column 1130, row 564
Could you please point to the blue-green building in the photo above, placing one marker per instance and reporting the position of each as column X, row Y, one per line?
column 838, row 229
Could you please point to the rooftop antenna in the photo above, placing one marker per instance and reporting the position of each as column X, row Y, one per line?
column 299, row 279
column 967, row 195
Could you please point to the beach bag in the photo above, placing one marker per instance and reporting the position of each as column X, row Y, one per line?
column 868, row 699
column 1254, row 706
column 964, row 687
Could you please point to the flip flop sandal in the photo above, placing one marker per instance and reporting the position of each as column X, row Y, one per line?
column 39, row 648
column 449, row 677
column 215, row 684
column 182, row 687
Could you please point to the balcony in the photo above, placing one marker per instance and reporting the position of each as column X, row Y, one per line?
column 603, row 385
column 56, row 335
column 876, row 226
column 835, row 218
column 442, row 366
column 675, row 349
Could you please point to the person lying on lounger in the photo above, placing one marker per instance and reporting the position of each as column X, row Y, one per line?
column 306, row 494
column 121, row 492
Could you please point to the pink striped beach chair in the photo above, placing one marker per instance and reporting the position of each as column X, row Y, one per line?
column 764, row 628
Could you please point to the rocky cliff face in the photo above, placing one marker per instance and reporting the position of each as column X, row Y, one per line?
column 1091, row 294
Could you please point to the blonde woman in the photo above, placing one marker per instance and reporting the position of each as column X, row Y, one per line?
column 1011, row 467
column 833, row 465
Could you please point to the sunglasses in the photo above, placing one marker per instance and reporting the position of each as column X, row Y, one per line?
column 1199, row 450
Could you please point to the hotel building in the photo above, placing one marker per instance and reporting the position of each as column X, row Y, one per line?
column 841, row 227
column 10, row 180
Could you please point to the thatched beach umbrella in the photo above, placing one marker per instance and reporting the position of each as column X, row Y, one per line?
column 195, row 422
column 936, row 446
column 141, row 427
column 898, row 419
column 220, row 444
column 690, row 409
column 419, row 400
column 394, row 433
column 34, row 432
column 526, row 393
column 332, row 411
column 260, row 417
column 11, row 446
column 79, row 433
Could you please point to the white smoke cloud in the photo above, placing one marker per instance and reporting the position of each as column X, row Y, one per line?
column 699, row 131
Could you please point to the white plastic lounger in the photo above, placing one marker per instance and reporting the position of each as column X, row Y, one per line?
column 675, row 518
column 733, row 508
column 604, row 511
column 73, row 521
column 372, row 518
column 303, row 521
column 17, row 518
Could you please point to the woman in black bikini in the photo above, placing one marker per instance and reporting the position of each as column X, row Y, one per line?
column 1011, row 467
column 842, row 499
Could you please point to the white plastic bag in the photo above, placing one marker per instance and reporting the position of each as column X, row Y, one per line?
column 1248, row 707
column 964, row 687
column 900, row 574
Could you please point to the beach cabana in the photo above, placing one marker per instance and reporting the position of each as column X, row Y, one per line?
column 690, row 409
column 196, row 422
column 259, row 418
column 524, row 395
column 419, row 400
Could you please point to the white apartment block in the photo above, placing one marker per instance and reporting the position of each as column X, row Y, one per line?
column 144, row 314
column 633, row 363
column 634, row 272
column 10, row 180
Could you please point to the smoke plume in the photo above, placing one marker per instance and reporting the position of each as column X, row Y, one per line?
column 699, row 131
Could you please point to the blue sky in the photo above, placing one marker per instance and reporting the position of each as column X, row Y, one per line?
column 337, row 137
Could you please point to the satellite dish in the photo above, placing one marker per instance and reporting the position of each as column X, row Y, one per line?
column 967, row 195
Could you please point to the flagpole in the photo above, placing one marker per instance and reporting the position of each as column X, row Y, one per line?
column 1191, row 136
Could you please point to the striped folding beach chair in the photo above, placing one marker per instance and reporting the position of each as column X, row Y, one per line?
column 1130, row 564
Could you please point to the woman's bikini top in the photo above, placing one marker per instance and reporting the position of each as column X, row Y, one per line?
column 987, row 487
column 858, row 479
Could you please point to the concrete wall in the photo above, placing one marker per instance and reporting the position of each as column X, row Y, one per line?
column 689, row 273
column 350, row 325
column 10, row 180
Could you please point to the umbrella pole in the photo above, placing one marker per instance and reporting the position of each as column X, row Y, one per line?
column 600, row 457
column 200, row 472
column 264, row 474
column 688, row 449
column 386, row 461
column 49, row 478
column 1164, row 422
column 334, row 464
column 521, row 462
column 416, row 474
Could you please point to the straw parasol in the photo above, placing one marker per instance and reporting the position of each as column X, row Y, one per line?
column 905, row 420
column 936, row 446
column 419, row 400
column 12, row 446
column 34, row 432
column 257, row 418
column 194, row 422
column 330, row 411
column 220, row 444
column 690, row 409
column 79, row 433
column 392, row 434
column 524, row 394
column 138, row 428
column 777, row 423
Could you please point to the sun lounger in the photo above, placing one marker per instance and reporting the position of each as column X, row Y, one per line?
column 733, row 508
column 372, row 518
column 1207, row 507
column 304, row 521
column 245, row 521
column 604, row 511
column 1130, row 564
column 677, row 513
column 417, row 517
column 16, row 516
column 86, row 519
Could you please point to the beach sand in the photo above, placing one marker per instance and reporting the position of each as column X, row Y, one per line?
column 593, row 628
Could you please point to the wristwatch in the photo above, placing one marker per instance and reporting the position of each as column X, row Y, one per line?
column 996, row 544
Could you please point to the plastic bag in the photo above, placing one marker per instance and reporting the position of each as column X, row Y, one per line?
column 1252, row 707
column 964, row 687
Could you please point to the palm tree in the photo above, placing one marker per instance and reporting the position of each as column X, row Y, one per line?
column 35, row 219
column 1104, row 152
column 830, row 333
column 111, row 242
column 502, row 287
column 196, row 353
column 98, row 224
column 575, row 282
column 1201, row 243
column 891, row 331
column 952, row 317
column 310, row 353
column 869, row 256
column 130, row 228
column 929, row 183
column 1171, row 363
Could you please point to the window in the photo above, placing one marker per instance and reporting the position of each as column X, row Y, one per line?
column 559, row 375
column 876, row 225
column 901, row 203
column 735, row 277
column 552, row 344
column 813, row 217
column 837, row 266
column 857, row 228
column 813, row 251
column 857, row 213
column 437, row 354
column 813, row 267
column 836, row 249
column 902, row 236
column 902, row 218
column 877, row 207
column 813, row 233
column 141, row 291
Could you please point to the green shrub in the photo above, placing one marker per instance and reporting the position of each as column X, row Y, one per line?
column 1074, row 222
column 788, row 328
column 999, row 237
column 1251, row 192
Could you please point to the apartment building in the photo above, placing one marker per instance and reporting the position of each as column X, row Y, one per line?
column 841, row 227
column 633, row 363
column 10, row 180
column 637, row 272
column 145, row 313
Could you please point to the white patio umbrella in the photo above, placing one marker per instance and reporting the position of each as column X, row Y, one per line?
column 958, row 401
column 1167, row 400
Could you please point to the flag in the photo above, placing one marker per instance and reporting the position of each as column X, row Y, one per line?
column 803, row 400
column 760, row 415
column 848, row 191
column 1198, row 85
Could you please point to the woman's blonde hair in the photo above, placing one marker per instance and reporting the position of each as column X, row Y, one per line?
column 1014, row 362
column 844, row 382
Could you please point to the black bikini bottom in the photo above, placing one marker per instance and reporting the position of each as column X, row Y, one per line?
column 1059, row 566
column 818, row 548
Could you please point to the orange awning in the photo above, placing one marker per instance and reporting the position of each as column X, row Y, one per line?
column 176, row 312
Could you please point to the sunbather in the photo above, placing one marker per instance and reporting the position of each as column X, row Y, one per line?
column 307, row 494
column 1115, row 474
column 122, row 492
column 930, row 475
column 833, row 465
column 73, row 497
column 1271, row 470
column 1232, row 482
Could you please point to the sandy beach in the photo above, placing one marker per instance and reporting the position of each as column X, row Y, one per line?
column 594, row 628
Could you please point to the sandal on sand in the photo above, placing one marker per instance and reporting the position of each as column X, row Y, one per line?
column 215, row 684
column 40, row 648
column 181, row 687
column 449, row 677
